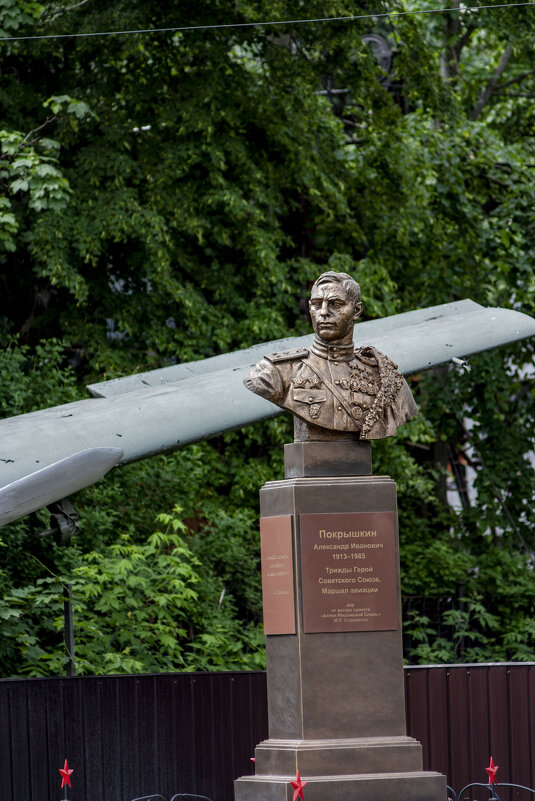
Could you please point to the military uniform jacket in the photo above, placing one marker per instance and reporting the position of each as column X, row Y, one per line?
column 337, row 387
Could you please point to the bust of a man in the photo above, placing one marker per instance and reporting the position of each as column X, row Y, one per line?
column 335, row 386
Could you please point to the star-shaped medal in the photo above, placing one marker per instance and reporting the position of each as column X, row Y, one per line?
column 298, row 788
column 491, row 770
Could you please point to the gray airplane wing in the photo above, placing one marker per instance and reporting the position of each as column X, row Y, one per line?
column 162, row 410
column 71, row 474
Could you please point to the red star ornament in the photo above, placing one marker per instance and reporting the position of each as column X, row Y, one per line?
column 491, row 770
column 65, row 775
column 298, row 788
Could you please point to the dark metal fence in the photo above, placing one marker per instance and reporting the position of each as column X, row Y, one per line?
column 463, row 714
column 129, row 736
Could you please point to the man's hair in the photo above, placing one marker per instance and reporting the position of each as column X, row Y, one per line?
column 348, row 284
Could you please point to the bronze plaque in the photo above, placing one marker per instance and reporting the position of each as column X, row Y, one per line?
column 348, row 572
column 277, row 574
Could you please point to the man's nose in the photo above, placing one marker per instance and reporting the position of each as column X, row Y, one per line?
column 324, row 311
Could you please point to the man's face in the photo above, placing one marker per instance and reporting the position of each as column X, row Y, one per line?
column 333, row 313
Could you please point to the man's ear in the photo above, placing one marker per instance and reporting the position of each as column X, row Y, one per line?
column 359, row 308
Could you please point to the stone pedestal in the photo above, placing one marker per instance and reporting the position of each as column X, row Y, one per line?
column 332, row 616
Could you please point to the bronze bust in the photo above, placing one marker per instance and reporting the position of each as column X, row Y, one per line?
column 334, row 386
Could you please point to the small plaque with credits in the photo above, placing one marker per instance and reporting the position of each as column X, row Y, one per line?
column 277, row 574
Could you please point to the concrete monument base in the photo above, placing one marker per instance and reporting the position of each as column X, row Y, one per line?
column 413, row 786
column 363, row 769
column 341, row 757
column 332, row 617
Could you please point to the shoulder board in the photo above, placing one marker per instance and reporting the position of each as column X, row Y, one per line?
column 287, row 355
column 370, row 355
column 367, row 354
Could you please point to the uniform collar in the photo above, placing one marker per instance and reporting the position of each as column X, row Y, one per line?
column 336, row 352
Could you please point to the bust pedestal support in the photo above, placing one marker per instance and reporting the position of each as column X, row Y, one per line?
column 335, row 696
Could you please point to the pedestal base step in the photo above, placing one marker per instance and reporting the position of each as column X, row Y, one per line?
column 342, row 756
column 413, row 786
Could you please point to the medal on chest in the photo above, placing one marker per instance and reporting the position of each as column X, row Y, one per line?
column 363, row 379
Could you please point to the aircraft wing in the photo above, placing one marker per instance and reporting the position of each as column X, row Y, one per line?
column 71, row 474
column 164, row 409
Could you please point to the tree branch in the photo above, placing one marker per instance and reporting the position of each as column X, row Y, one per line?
column 35, row 130
column 518, row 79
column 454, row 42
column 55, row 13
column 491, row 85
column 465, row 38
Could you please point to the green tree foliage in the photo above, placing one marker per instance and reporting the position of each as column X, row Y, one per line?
column 135, row 606
column 170, row 196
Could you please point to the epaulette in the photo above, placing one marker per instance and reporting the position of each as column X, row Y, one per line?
column 371, row 356
column 287, row 355
column 367, row 354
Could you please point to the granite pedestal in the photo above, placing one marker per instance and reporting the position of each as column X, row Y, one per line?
column 332, row 616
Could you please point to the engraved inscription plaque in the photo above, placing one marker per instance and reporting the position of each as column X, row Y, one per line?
column 348, row 572
column 277, row 574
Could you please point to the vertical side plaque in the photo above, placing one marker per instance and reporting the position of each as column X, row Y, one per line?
column 277, row 574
